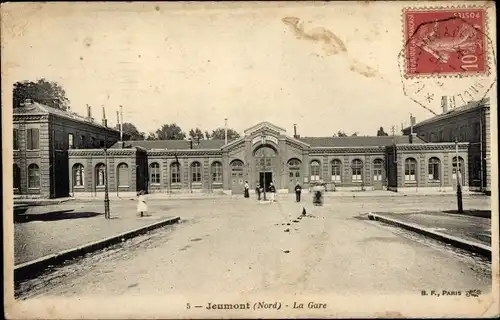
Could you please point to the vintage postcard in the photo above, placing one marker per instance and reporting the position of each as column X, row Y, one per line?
column 250, row 160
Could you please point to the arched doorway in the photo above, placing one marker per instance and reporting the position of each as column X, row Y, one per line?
column 266, row 163
column 293, row 173
column 237, row 182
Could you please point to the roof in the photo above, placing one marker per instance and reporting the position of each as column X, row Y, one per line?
column 171, row 144
column 38, row 108
column 471, row 106
column 359, row 141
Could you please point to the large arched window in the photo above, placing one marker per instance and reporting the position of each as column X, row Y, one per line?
column 154, row 173
column 410, row 169
column 336, row 170
column 33, row 176
column 357, row 170
column 460, row 169
column 123, row 175
column 315, row 170
column 99, row 174
column 237, row 168
column 196, row 172
column 378, row 167
column 175, row 172
column 217, row 172
column 294, row 168
column 78, row 175
column 17, row 176
column 434, row 169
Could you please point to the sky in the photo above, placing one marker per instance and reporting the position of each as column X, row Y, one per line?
column 323, row 67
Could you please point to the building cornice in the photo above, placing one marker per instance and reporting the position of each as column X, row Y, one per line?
column 432, row 146
column 30, row 117
column 336, row 150
column 100, row 152
column 183, row 153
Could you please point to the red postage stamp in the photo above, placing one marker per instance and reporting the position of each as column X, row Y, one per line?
column 448, row 41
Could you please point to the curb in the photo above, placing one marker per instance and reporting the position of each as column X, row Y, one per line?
column 32, row 269
column 470, row 246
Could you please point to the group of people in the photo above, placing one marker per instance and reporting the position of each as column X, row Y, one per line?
column 271, row 191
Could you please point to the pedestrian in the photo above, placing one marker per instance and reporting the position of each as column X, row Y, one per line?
column 272, row 191
column 247, row 190
column 142, row 207
column 298, row 191
column 257, row 191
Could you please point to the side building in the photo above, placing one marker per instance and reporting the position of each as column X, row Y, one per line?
column 470, row 123
column 263, row 154
column 42, row 138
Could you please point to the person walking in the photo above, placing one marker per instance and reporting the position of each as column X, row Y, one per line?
column 272, row 192
column 298, row 191
column 247, row 190
column 257, row 191
column 142, row 207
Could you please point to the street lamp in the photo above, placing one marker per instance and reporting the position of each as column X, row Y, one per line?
column 459, row 188
column 106, row 194
column 263, row 141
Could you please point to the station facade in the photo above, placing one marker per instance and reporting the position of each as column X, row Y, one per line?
column 265, row 153
column 58, row 154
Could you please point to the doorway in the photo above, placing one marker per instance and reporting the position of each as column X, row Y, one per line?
column 267, row 177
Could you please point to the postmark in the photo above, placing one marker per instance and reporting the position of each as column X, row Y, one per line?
column 447, row 57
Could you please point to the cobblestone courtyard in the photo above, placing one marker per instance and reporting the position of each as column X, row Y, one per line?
column 237, row 245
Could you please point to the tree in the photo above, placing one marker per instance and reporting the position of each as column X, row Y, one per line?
column 219, row 134
column 207, row 135
column 151, row 136
column 196, row 134
column 341, row 134
column 170, row 132
column 355, row 134
column 381, row 132
column 131, row 130
column 42, row 91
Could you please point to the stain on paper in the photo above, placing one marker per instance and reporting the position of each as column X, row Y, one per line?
column 332, row 44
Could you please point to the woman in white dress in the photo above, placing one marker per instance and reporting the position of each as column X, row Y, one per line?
column 142, row 207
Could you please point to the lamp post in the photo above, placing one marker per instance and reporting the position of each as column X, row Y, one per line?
column 458, row 175
column 106, row 195
column 263, row 141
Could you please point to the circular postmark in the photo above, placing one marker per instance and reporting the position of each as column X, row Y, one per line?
column 447, row 58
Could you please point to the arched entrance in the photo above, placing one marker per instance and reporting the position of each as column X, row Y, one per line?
column 237, row 183
column 266, row 164
column 293, row 173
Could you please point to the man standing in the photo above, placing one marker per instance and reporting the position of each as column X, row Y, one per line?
column 257, row 191
column 298, row 191
column 247, row 190
column 272, row 191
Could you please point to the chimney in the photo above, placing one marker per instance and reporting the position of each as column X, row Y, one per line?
column 410, row 138
column 444, row 103
column 104, row 120
column 225, row 131
column 295, row 131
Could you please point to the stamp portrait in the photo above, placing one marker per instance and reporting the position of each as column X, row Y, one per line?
column 445, row 42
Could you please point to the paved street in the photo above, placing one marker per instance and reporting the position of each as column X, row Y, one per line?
column 238, row 245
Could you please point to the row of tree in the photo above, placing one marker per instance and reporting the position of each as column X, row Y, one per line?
column 172, row 131
column 52, row 94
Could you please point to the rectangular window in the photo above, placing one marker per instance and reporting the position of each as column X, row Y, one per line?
column 33, row 136
column 476, row 130
column 433, row 171
column 217, row 174
column 175, row 174
column 336, row 173
column 410, row 171
column 356, row 174
column 70, row 141
column 94, row 143
column 123, row 175
column 377, row 174
column 196, row 174
column 15, row 144
column 82, row 142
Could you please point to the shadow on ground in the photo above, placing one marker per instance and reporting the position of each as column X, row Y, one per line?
column 54, row 215
column 474, row 213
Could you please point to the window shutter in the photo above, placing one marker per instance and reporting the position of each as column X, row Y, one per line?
column 35, row 139
column 29, row 140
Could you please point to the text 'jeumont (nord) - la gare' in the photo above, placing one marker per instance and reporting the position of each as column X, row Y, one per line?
column 265, row 305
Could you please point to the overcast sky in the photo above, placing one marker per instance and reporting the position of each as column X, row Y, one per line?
column 198, row 67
